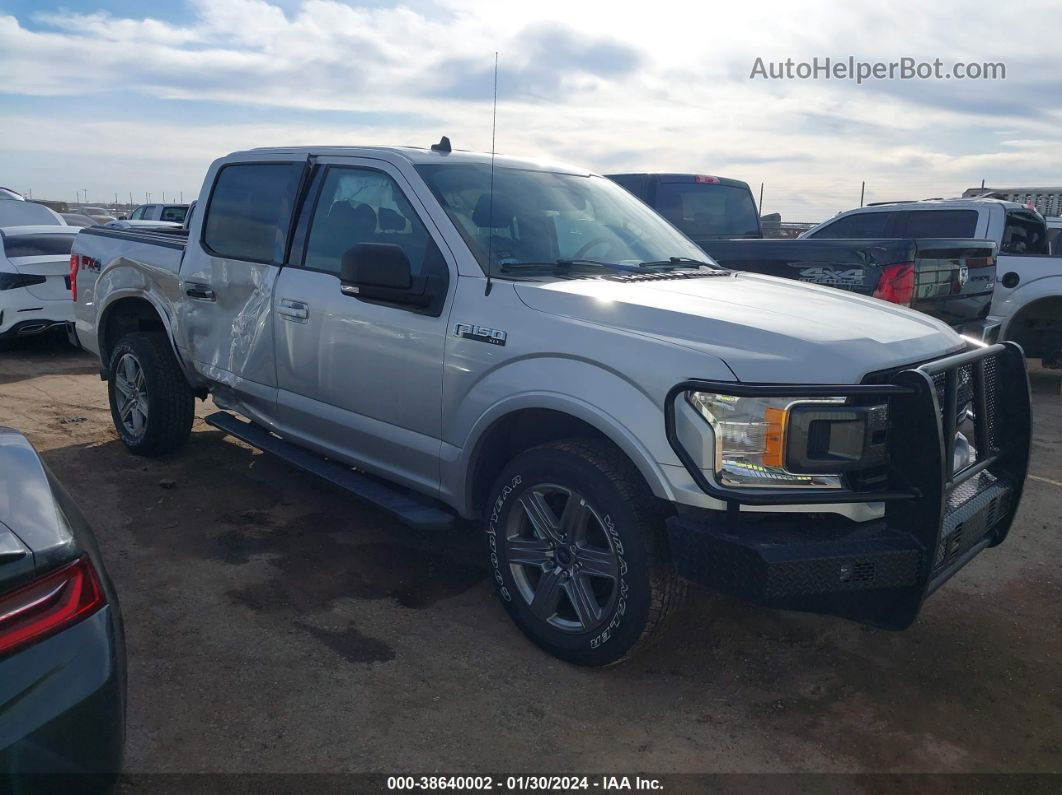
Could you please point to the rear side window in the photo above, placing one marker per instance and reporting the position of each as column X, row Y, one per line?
column 941, row 223
column 138, row 213
column 249, row 211
column 38, row 245
column 706, row 210
column 175, row 214
column 859, row 226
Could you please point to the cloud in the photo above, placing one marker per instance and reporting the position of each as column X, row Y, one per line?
column 613, row 86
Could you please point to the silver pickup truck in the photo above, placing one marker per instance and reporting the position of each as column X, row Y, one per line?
column 529, row 346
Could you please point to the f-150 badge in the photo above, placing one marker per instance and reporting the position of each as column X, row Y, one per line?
column 471, row 331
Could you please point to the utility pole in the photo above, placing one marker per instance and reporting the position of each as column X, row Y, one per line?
column 130, row 199
column 761, row 199
column 182, row 197
column 86, row 194
column 982, row 184
column 862, row 191
column 164, row 197
column 147, row 198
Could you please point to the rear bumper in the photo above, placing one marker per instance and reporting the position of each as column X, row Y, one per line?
column 986, row 329
column 22, row 315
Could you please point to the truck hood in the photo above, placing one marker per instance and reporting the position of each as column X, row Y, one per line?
column 767, row 330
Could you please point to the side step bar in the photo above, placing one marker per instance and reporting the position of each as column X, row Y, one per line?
column 409, row 508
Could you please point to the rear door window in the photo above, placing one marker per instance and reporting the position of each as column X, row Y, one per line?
column 249, row 211
column 708, row 210
column 38, row 245
column 860, row 226
column 941, row 223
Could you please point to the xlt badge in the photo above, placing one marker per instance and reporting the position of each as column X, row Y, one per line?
column 471, row 331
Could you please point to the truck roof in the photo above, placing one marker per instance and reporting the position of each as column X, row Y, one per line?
column 420, row 155
column 682, row 177
column 944, row 204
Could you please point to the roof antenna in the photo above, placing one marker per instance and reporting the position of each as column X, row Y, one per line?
column 443, row 146
column 490, row 215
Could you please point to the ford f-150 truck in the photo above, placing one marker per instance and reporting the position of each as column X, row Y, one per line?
column 451, row 336
column 1027, row 301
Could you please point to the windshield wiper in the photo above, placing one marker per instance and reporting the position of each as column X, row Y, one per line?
column 679, row 261
column 567, row 265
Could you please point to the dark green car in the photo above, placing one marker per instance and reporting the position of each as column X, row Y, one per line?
column 62, row 649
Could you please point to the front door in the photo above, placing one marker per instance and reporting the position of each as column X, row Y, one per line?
column 358, row 380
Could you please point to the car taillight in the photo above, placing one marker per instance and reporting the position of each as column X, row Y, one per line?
column 896, row 284
column 704, row 179
column 48, row 605
column 74, row 260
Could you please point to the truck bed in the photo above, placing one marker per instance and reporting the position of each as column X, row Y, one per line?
column 953, row 278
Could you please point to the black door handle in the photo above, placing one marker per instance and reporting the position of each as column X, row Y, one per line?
column 201, row 292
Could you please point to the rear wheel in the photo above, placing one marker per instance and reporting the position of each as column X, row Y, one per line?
column 151, row 403
column 578, row 553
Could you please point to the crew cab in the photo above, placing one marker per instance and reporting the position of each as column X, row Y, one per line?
column 447, row 334
column 1027, row 301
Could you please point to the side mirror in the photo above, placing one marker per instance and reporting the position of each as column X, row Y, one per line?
column 381, row 272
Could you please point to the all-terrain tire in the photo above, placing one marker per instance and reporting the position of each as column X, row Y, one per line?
column 618, row 507
column 165, row 393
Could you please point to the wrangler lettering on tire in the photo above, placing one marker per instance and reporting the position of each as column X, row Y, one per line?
column 577, row 552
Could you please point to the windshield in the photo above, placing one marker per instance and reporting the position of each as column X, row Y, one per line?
column 543, row 218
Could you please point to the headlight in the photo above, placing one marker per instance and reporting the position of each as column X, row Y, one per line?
column 751, row 440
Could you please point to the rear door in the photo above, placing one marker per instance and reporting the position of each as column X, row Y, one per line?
column 231, row 262
column 359, row 380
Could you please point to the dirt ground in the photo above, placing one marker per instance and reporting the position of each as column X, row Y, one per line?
column 275, row 625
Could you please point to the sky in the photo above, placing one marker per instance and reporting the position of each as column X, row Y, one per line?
column 137, row 97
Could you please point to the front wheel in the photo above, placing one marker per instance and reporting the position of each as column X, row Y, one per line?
column 151, row 403
column 578, row 554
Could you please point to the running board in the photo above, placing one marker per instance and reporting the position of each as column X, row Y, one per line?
column 412, row 510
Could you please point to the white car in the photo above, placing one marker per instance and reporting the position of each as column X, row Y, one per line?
column 35, row 279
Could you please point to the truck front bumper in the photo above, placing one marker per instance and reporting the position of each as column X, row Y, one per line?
column 936, row 520
column 868, row 572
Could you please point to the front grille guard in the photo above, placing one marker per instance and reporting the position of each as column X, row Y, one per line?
column 924, row 403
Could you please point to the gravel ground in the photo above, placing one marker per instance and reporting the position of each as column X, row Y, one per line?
column 274, row 625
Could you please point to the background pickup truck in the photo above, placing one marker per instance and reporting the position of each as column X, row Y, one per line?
column 1027, row 301
column 951, row 280
column 447, row 334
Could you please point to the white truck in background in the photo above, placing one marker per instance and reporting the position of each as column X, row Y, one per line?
column 1027, row 300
